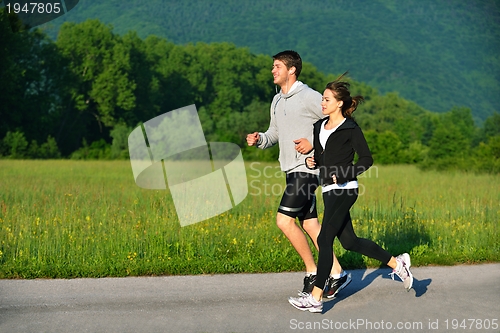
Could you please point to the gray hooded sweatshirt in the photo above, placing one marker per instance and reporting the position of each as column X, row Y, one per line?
column 292, row 118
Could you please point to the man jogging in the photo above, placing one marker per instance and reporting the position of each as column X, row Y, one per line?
column 294, row 110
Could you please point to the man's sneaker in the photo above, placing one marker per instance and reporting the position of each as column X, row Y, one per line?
column 306, row 302
column 403, row 270
column 333, row 286
column 309, row 281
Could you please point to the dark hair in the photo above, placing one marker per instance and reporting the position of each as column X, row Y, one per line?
column 341, row 92
column 290, row 59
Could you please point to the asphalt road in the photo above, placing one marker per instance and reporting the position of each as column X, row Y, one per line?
column 444, row 299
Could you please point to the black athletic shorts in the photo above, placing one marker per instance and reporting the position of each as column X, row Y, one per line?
column 299, row 199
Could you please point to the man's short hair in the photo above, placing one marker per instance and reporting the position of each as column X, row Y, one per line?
column 291, row 59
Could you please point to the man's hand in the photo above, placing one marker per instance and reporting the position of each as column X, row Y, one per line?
column 253, row 138
column 303, row 145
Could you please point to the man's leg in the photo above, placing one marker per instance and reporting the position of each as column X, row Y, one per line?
column 299, row 241
column 299, row 200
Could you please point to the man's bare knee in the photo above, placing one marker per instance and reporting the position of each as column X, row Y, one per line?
column 284, row 222
column 310, row 225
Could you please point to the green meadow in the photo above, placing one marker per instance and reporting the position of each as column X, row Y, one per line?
column 67, row 219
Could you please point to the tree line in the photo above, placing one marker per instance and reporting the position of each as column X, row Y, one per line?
column 80, row 96
column 429, row 51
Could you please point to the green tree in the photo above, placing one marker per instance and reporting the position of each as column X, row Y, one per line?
column 390, row 112
column 450, row 145
column 461, row 118
column 415, row 153
column 447, row 141
column 385, row 147
column 488, row 155
column 491, row 127
column 170, row 87
column 30, row 82
column 99, row 63
column 49, row 149
column 16, row 144
column 119, row 145
column 98, row 150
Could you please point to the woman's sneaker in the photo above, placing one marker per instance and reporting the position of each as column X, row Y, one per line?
column 403, row 270
column 306, row 303
column 333, row 286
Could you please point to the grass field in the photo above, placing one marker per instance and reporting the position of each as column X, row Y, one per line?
column 65, row 219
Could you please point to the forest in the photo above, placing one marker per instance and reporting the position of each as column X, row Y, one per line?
column 80, row 96
column 439, row 54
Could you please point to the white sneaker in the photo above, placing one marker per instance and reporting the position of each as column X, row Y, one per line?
column 403, row 270
column 306, row 303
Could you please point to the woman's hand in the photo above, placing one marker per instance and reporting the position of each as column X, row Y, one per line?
column 310, row 162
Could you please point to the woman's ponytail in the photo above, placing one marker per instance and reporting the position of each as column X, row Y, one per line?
column 355, row 101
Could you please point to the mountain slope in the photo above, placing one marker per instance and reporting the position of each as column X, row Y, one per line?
column 439, row 54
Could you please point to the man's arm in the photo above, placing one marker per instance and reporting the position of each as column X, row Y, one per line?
column 271, row 136
column 303, row 146
column 313, row 106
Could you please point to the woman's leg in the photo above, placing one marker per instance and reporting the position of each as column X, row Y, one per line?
column 369, row 248
column 400, row 265
column 337, row 204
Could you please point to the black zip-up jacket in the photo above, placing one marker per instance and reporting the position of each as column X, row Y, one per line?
column 338, row 155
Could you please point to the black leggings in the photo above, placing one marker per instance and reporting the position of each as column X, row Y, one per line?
column 337, row 223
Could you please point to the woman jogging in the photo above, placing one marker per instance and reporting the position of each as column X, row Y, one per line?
column 336, row 138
